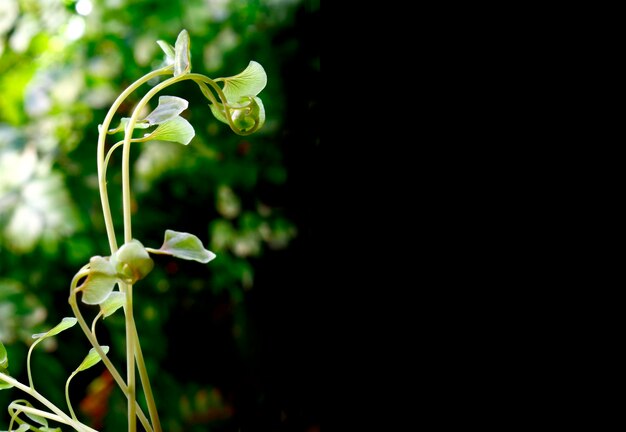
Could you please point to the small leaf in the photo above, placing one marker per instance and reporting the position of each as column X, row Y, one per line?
column 169, row 107
column 4, row 358
column 175, row 130
column 142, row 124
column 185, row 246
column 182, row 63
column 168, row 50
column 3, row 384
column 4, row 364
column 115, row 301
column 92, row 359
column 250, row 82
column 100, row 281
column 65, row 323
column 132, row 262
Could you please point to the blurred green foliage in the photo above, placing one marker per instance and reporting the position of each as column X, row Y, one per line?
column 62, row 63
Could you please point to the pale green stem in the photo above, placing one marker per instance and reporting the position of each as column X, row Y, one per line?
column 105, row 359
column 128, row 236
column 35, row 411
column 93, row 325
column 128, row 232
column 104, row 198
column 67, row 395
column 30, row 374
column 198, row 78
column 113, row 148
column 130, row 126
column 130, row 359
column 131, row 331
column 106, row 160
column 145, row 382
column 35, row 394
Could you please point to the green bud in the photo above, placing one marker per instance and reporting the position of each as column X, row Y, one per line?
column 250, row 117
column 132, row 262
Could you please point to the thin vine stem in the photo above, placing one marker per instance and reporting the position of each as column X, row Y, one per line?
column 104, row 198
column 35, row 394
column 105, row 359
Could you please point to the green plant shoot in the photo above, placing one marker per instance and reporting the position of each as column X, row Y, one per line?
column 107, row 281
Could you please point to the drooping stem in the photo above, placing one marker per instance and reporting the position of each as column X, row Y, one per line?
column 202, row 79
column 126, row 198
column 130, row 126
column 129, row 389
column 131, row 330
column 104, row 198
column 133, row 350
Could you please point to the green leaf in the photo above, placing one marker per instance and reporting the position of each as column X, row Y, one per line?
column 4, row 358
column 250, row 82
column 169, row 107
column 185, row 246
column 142, row 124
column 132, row 262
column 168, row 50
column 65, row 323
column 182, row 62
column 176, row 130
column 4, row 365
column 115, row 301
column 100, row 281
column 4, row 385
column 92, row 359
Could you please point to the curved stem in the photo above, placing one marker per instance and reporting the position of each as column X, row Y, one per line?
column 133, row 350
column 104, row 198
column 198, row 78
column 105, row 359
column 131, row 330
column 93, row 326
column 128, row 233
column 106, row 160
column 35, row 394
column 30, row 352
column 67, row 395
column 35, row 411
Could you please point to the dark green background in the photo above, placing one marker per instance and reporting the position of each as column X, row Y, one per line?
column 252, row 200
